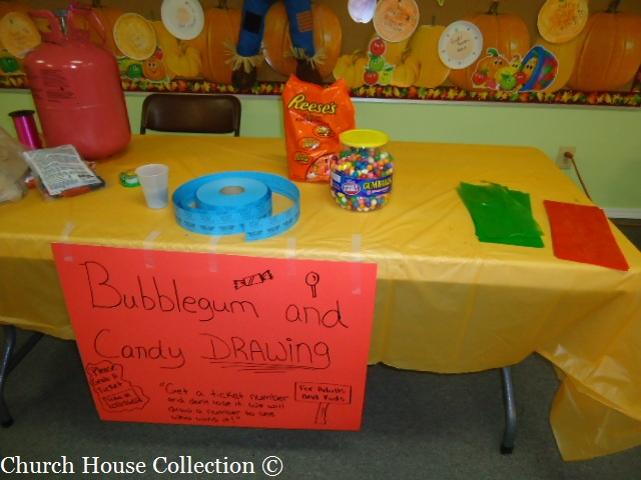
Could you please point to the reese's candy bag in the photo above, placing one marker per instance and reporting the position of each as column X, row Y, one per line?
column 314, row 117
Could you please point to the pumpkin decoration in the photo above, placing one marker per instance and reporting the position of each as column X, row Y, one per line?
column 560, row 21
column 18, row 34
column 506, row 33
column 153, row 68
column 180, row 59
column 217, row 42
column 184, row 62
column 351, row 68
column 406, row 72
column 107, row 18
column 6, row 7
column 610, row 52
column 424, row 48
column 278, row 44
column 566, row 54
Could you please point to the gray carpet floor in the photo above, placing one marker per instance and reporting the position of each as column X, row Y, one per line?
column 416, row 426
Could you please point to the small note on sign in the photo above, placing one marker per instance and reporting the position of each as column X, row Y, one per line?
column 254, row 343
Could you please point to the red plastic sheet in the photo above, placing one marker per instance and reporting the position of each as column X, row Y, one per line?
column 581, row 233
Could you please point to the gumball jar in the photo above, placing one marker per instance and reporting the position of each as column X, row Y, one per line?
column 361, row 174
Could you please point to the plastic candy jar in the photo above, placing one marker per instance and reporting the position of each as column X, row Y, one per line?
column 361, row 174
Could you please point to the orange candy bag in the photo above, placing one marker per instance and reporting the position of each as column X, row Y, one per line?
column 314, row 117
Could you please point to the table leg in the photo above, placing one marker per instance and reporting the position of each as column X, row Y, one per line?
column 509, row 400
column 9, row 362
column 9, row 345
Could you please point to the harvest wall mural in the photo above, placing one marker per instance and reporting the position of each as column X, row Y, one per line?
column 542, row 51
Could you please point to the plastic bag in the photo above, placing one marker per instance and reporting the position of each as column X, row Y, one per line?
column 61, row 172
column 314, row 117
column 12, row 169
column 501, row 215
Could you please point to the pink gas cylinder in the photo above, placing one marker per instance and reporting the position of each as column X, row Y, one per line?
column 76, row 88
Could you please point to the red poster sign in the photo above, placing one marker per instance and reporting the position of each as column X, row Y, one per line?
column 197, row 338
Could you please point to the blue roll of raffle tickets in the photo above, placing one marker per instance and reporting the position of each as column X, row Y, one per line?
column 236, row 202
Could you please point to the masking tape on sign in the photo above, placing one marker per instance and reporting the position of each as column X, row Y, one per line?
column 236, row 202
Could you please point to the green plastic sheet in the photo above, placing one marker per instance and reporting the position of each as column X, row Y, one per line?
column 501, row 215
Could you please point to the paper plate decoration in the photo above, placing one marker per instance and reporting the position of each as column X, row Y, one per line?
column 135, row 36
column 361, row 11
column 184, row 19
column 18, row 34
column 460, row 45
column 396, row 20
column 506, row 33
column 560, row 21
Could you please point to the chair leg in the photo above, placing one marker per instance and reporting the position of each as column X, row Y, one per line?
column 9, row 362
column 9, row 345
column 509, row 435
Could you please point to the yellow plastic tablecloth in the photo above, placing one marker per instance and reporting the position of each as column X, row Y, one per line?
column 445, row 302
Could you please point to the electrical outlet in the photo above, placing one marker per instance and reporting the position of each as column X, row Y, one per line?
column 561, row 160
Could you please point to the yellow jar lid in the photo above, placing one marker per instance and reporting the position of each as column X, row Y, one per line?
column 363, row 138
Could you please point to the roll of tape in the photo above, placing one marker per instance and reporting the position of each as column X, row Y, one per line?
column 236, row 202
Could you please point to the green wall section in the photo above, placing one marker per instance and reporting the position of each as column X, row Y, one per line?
column 607, row 140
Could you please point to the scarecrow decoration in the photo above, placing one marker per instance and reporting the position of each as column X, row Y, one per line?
column 247, row 55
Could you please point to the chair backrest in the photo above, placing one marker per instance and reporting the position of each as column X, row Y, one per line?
column 194, row 113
